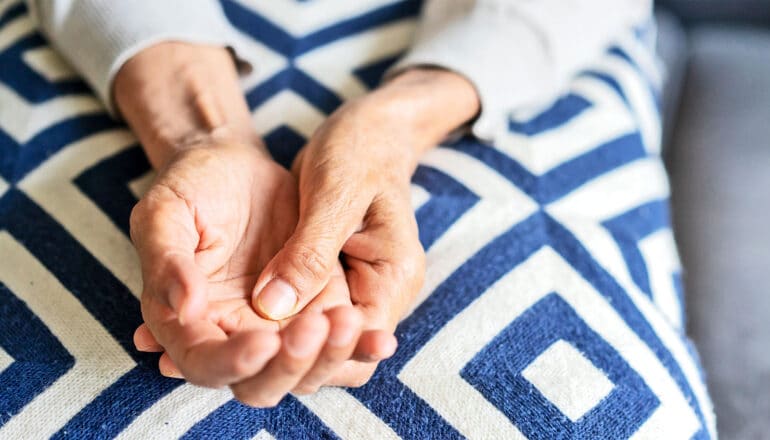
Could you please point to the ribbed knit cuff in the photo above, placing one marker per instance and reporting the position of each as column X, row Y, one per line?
column 498, row 53
column 99, row 36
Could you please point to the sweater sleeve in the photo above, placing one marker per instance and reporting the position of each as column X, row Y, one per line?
column 517, row 53
column 98, row 36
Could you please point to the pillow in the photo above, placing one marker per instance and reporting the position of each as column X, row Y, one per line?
column 552, row 303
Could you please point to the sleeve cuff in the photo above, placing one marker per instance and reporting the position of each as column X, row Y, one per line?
column 99, row 36
column 499, row 54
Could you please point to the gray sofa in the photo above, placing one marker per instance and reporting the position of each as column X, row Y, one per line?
column 717, row 147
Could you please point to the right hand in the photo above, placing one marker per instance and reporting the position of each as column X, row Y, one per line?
column 214, row 217
column 218, row 211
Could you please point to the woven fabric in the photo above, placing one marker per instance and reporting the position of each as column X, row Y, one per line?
column 552, row 302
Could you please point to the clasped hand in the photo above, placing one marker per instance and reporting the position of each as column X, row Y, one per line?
column 243, row 283
column 258, row 278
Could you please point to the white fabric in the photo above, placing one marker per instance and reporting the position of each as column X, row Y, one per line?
column 531, row 47
column 99, row 36
column 527, row 244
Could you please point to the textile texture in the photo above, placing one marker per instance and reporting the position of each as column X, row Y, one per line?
column 552, row 303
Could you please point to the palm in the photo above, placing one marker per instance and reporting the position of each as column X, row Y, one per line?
column 243, row 208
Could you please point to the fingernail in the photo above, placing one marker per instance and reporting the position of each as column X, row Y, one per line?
column 277, row 299
column 342, row 337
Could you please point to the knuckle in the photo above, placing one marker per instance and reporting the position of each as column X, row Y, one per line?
column 410, row 269
column 309, row 261
column 414, row 265
column 148, row 212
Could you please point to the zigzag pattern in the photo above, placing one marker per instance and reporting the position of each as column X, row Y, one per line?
column 549, row 251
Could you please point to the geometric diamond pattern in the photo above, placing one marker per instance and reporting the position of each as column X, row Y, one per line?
column 551, row 306
column 544, row 405
column 568, row 380
column 5, row 360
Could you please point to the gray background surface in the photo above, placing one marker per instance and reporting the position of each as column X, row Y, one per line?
column 717, row 141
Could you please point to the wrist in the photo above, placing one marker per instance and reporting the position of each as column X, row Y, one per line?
column 178, row 96
column 428, row 104
column 381, row 136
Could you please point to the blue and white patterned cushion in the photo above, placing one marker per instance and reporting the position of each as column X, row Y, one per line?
column 551, row 308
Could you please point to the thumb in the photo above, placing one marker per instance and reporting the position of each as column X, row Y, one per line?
column 181, row 286
column 303, row 267
column 164, row 234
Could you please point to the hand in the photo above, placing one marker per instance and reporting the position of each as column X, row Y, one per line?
column 354, row 177
column 206, row 228
column 218, row 211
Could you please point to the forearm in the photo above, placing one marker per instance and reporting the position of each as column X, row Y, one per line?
column 176, row 96
column 420, row 107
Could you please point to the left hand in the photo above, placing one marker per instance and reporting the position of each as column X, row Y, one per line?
column 354, row 177
column 219, row 210
column 349, row 201
column 354, row 185
column 214, row 216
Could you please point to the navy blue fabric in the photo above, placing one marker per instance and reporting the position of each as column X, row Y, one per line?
column 630, row 227
column 40, row 364
column 39, row 359
column 496, row 372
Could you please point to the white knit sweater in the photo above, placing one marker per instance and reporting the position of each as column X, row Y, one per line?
column 517, row 53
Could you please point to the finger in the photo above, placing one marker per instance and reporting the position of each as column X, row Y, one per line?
column 183, row 286
column 302, row 341
column 346, row 324
column 375, row 346
column 243, row 319
column 168, row 368
column 335, row 293
column 145, row 341
column 165, row 235
column 329, row 213
column 391, row 234
column 353, row 374
column 386, row 262
column 206, row 355
column 215, row 364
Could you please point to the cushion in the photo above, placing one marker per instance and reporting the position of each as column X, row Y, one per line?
column 552, row 304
